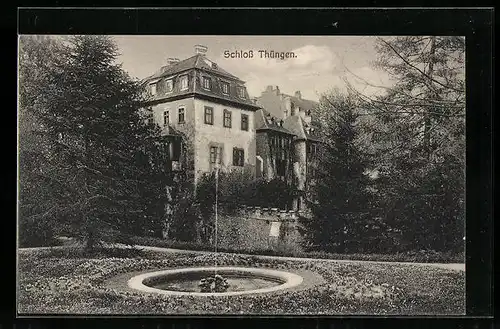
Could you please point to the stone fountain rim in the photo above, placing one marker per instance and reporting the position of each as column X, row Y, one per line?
column 290, row 280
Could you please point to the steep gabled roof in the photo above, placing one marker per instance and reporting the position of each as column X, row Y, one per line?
column 264, row 122
column 294, row 123
column 298, row 126
column 306, row 104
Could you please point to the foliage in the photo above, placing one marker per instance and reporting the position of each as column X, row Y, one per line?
column 275, row 193
column 101, row 159
column 36, row 197
column 342, row 206
column 184, row 219
column 236, row 188
column 417, row 130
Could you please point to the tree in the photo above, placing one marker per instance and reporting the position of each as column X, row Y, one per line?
column 418, row 126
column 37, row 193
column 342, row 202
column 103, row 159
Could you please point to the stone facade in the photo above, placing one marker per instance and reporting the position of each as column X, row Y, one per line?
column 178, row 96
column 284, row 116
column 224, row 137
column 278, row 128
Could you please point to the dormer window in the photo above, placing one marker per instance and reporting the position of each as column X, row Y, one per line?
column 207, row 83
column 241, row 92
column 225, row 88
column 169, row 85
column 184, row 82
column 152, row 88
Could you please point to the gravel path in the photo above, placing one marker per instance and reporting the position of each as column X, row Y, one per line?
column 449, row 266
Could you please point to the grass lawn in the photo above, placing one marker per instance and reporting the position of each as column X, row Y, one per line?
column 67, row 281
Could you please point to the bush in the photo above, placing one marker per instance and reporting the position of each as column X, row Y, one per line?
column 275, row 193
column 37, row 233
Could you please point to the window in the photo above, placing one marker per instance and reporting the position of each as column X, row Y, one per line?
column 215, row 155
column 148, row 115
column 312, row 150
column 238, row 157
column 241, row 92
column 286, row 113
column 207, row 83
column 181, row 115
column 280, row 167
column 227, row 119
column 169, row 85
column 209, row 115
column 184, row 82
column 225, row 88
column 174, row 150
column 165, row 118
column 244, row 122
column 152, row 88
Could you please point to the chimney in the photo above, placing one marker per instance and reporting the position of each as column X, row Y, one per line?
column 298, row 95
column 172, row 61
column 200, row 49
column 302, row 113
column 307, row 117
column 277, row 90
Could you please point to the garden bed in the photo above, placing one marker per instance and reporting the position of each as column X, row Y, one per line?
column 62, row 282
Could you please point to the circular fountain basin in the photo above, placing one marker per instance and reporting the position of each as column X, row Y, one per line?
column 242, row 280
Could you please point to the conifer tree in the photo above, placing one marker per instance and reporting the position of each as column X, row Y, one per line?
column 106, row 159
column 341, row 203
column 419, row 129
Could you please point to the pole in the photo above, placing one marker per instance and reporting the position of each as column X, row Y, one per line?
column 216, row 201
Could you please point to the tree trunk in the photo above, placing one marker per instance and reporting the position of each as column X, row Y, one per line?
column 427, row 118
column 91, row 242
column 90, row 233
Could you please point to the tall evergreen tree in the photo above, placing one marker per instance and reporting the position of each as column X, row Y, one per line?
column 106, row 159
column 341, row 202
column 37, row 193
column 420, row 132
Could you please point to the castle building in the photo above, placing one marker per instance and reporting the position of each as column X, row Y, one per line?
column 286, row 139
column 271, row 135
column 198, row 98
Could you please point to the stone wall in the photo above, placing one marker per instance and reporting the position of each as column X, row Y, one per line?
column 249, row 228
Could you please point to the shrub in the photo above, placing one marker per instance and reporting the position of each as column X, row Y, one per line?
column 37, row 233
column 275, row 193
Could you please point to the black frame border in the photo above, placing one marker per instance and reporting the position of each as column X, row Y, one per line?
column 476, row 24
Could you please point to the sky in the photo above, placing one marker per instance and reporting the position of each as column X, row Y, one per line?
column 320, row 63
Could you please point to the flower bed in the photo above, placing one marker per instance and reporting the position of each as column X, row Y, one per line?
column 49, row 282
